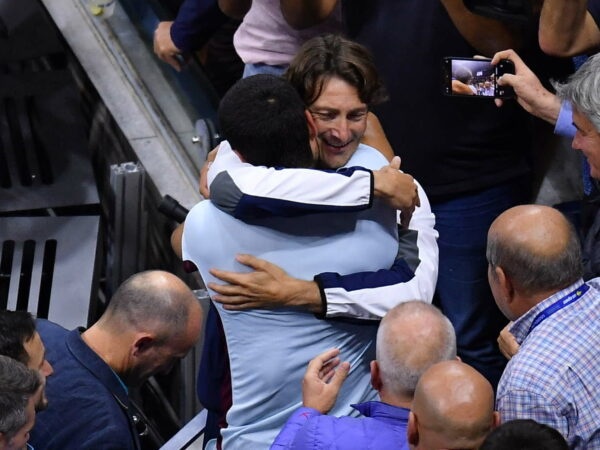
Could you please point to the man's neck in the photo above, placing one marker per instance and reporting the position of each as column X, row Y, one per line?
column 112, row 351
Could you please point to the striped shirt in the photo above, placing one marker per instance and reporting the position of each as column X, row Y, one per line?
column 555, row 377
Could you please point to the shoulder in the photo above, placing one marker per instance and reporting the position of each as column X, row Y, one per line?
column 367, row 156
column 350, row 432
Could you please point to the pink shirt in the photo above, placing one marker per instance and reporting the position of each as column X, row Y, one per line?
column 265, row 37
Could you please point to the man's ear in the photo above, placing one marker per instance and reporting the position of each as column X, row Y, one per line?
column 142, row 344
column 412, row 432
column 507, row 288
column 375, row 376
column 312, row 126
column 495, row 419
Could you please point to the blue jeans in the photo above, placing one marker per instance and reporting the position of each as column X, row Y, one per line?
column 463, row 292
column 254, row 69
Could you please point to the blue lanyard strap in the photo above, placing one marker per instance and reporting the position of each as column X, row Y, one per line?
column 566, row 300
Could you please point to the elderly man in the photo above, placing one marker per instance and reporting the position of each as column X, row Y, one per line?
column 151, row 321
column 411, row 337
column 535, row 274
column 453, row 407
column 20, row 390
column 20, row 340
column 574, row 110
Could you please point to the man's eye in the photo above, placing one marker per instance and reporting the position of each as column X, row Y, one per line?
column 324, row 116
column 356, row 117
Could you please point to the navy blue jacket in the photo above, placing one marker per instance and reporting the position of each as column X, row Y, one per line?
column 88, row 405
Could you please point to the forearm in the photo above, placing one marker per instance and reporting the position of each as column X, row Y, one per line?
column 236, row 9
column 196, row 21
column 376, row 138
column 486, row 35
column 566, row 28
column 249, row 192
column 369, row 295
column 294, row 424
column 301, row 14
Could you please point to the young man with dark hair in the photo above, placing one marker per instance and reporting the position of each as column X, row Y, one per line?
column 20, row 340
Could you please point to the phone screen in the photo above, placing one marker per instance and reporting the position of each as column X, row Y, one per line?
column 474, row 77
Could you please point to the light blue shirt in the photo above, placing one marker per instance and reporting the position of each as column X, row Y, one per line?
column 269, row 349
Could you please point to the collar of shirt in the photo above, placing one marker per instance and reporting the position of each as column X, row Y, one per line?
column 521, row 328
column 382, row 411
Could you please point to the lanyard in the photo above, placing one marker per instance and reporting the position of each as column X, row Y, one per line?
column 566, row 300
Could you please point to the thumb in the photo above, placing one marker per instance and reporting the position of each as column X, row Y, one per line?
column 341, row 373
column 395, row 163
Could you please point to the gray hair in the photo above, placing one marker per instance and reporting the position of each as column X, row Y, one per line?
column 152, row 298
column 412, row 337
column 582, row 89
column 534, row 272
column 17, row 384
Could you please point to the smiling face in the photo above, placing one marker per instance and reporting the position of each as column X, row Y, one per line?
column 587, row 140
column 341, row 120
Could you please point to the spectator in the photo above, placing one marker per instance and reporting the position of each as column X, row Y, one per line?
column 582, row 124
column 535, row 274
column 20, row 390
column 264, row 41
column 20, row 340
column 201, row 27
column 524, row 434
column 151, row 321
column 470, row 158
column 453, row 407
column 411, row 337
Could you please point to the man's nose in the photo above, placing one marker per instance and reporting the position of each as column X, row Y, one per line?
column 341, row 130
column 47, row 369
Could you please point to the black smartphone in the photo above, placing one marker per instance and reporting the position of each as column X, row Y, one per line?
column 476, row 78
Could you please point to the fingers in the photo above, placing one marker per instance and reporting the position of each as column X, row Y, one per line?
column 395, row 163
column 228, row 277
column 253, row 262
column 318, row 362
column 340, row 374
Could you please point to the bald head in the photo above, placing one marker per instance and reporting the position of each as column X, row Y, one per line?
column 411, row 337
column 152, row 300
column 453, row 407
column 536, row 247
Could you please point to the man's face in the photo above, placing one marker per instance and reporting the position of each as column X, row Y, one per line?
column 160, row 358
column 587, row 140
column 37, row 361
column 19, row 440
column 341, row 120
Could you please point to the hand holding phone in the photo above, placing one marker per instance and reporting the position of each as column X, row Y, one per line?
column 476, row 78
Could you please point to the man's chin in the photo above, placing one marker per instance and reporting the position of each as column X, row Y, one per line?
column 42, row 404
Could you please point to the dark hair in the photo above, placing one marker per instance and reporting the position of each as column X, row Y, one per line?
column 332, row 56
column 17, row 385
column 16, row 328
column 524, row 434
column 263, row 118
column 462, row 74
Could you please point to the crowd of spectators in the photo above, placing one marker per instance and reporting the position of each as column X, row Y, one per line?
column 352, row 305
